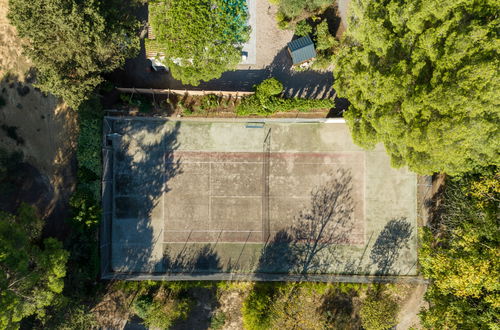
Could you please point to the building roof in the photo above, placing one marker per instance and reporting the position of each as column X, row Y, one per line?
column 301, row 49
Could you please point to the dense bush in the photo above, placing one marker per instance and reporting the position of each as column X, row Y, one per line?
column 31, row 270
column 256, row 308
column 422, row 77
column 379, row 312
column 202, row 38
column 140, row 101
column 298, row 307
column 265, row 101
column 326, row 46
column 161, row 309
column 9, row 165
column 303, row 28
column 460, row 253
column 290, row 10
column 72, row 43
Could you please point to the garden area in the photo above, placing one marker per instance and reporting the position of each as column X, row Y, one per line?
column 267, row 101
column 255, row 305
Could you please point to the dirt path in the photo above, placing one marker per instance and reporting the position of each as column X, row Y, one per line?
column 408, row 315
column 45, row 129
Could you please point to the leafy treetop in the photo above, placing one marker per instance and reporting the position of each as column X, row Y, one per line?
column 72, row 42
column 460, row 254
column 201, row 38
column 31, row 272
column 422, row 77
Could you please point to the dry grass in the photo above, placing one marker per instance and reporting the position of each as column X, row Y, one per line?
column 47, row 126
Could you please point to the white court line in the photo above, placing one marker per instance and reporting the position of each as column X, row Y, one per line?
column 213, row 231
column 262, row 163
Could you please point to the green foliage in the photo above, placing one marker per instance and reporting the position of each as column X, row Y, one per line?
column 72, row 316
column 422, row 78
column 208, row 102
column 303, row 28
column 297, row 307
column 217, row 321
column 85, row 202
column 324, row 40
column 81, row 287
column 460, row 255
column 2, row 102
column 326, row 46
column 267, row 88
column 31, row 272
column 72, row 43
column 161, row 308
column 264, row 101
column 202, row 39
column 379, row 312
column 141, row 101
column 291, row 9
column 256, row 308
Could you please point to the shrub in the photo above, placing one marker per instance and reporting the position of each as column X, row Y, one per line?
column 379, row 312
column 459, row 254
column 297, row 307
column 256, row 307
column 140, row 101
column 268, row 87
column 265, row 101
column 217, row 321
column 291, row 9
column 303, row 28
column 161, row 309
column 208, row 102
column 181, row 29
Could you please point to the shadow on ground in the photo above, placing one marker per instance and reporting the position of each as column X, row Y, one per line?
column 138, row 72
column 309, row 245
column 390, row 242
column 142, row 170
column 42, row 129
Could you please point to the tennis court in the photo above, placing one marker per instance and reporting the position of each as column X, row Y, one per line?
column 238, row 197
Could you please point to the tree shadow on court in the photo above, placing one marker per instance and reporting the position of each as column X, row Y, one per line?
column 143, row 164
column 310, row 245
column 389, row 244
column 192, row 260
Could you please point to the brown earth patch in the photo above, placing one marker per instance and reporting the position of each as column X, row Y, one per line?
column 46, row 130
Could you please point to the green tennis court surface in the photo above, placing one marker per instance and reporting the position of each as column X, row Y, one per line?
column 202, row 197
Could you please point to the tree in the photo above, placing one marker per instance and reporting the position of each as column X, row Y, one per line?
column 422, row 77
column 72, row 43
column 459, row 254
column 201, row 38
column 31, row 273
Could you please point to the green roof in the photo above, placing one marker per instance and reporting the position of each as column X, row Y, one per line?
column 301, row 49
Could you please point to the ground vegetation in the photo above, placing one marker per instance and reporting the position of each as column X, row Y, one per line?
column 460, row 253
column 267, row 100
